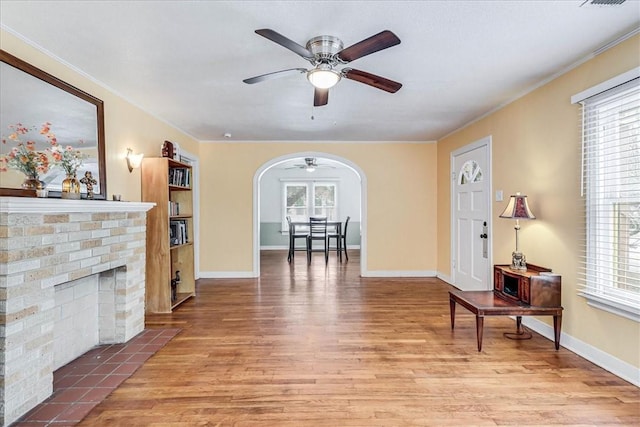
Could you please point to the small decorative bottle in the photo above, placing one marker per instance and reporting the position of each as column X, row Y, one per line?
column 70, row 187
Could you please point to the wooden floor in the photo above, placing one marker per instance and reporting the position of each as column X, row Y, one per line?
column 321, row 346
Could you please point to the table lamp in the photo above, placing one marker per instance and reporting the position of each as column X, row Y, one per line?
column 518, row 209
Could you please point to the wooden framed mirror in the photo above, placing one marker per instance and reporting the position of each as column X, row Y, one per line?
column 32, row 97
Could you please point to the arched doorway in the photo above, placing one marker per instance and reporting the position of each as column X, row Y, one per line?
column 320, row 155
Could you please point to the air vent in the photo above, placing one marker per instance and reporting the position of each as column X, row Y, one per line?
column 603, row 2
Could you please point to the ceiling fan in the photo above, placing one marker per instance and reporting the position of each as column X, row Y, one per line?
column 310, row 165
column 325, row 53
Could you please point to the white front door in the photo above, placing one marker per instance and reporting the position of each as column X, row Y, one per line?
column 470, row 208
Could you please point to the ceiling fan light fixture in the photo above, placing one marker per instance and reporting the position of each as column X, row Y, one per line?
column 323, row 77
column 311, row 164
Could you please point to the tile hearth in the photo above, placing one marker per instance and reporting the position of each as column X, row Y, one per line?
column 83, row 383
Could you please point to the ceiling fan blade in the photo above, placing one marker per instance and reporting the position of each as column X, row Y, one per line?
column 368, row 46
column 285, row 42
column 371, row 80
column 274, row 75
column 320, row 97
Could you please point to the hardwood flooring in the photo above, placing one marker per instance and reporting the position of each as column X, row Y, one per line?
column 320, row 346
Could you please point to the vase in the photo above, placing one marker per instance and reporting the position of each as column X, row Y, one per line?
column 70, row 187
column 32, row 182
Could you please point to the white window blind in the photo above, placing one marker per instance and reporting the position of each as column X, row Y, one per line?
column 610, row 267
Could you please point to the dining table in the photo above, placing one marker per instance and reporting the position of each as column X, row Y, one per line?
column 337, row 227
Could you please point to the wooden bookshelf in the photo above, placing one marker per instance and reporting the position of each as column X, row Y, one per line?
column 167, row 183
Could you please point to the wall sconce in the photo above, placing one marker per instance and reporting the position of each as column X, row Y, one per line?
column 518, row 209
column 133, row 160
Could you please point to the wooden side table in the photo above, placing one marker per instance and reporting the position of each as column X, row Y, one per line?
column 491, row 303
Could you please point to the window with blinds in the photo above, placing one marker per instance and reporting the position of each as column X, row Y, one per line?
column 610, row 267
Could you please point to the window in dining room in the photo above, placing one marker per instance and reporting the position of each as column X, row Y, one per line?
column 309, row 198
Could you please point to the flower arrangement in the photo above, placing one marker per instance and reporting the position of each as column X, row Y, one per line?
column 24, row 157
column 31, row 162
column 67, row 158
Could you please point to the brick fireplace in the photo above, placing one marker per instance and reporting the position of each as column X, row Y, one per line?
column 77, row 263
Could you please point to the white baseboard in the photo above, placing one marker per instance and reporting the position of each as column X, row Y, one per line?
column 604, row 360
column 445, row 278
column 399, row 273
column 227, row 275
column 249, row 274
column 284, row 248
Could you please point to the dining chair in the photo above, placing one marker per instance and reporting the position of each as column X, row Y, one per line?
column 293, row 235
column 341, row 239
column 318, row 231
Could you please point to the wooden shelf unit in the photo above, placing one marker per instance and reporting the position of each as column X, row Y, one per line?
column 163, row 257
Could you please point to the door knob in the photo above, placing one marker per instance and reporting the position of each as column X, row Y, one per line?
column 483, row 236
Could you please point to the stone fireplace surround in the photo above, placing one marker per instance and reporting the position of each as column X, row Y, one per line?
column 49, row 242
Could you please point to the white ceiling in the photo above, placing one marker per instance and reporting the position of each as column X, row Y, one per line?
column 184, row 61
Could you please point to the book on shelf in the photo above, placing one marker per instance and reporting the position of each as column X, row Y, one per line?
column 178, row 232
column 180, row 177
column 174, row 208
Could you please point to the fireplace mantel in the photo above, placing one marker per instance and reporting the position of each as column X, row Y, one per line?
column 49, row 242
column 49, row 205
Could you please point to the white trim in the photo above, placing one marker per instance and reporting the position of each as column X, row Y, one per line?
column 312, row 141
column 194, row 161
column 401, row 273
column 281, row 159
column 50, row 205
column 274, row 248
column 227, row 275
column 445, row 278
column 604, row 360
column 488, row 142
column 616, row 42
column 611, row 306
column 634, row 73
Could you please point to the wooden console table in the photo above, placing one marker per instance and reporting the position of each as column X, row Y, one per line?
column 534, row 292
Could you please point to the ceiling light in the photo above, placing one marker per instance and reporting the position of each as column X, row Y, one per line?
column 323, row 77
column 310, row 168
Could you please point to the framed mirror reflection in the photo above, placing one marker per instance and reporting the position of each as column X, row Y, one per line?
column 36, row 107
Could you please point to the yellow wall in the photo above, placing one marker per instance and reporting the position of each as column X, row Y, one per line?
column 125, row 124
column 536, row 150
column 401, row 182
